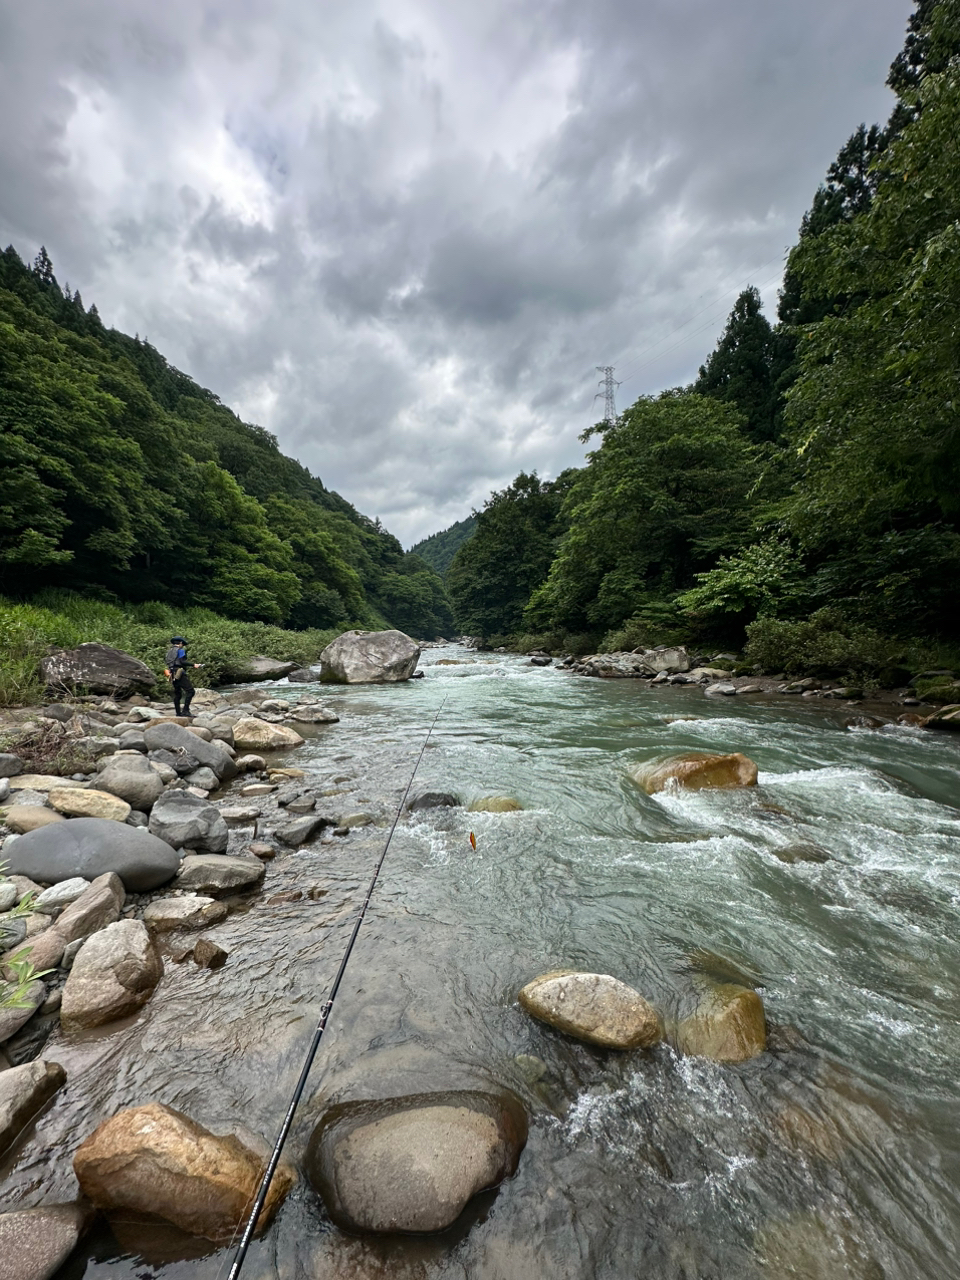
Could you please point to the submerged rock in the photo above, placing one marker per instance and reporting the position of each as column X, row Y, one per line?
column 113, row 976
column 410, row 1164
column 369, row 657
column 593, row 1007
column 801, row 851
column 24, row 1091
column 695, row 771
column 152, row 1159
column 495, row 804
column 433, row 800
column 728, row 1025
column 90, row 847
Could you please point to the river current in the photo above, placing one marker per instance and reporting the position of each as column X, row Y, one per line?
column 835, row 1154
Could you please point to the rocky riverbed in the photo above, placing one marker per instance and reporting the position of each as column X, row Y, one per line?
column 576, row 883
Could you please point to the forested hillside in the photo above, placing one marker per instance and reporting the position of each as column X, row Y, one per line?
column 439, row 549
column 803, row 496
column 122, row 478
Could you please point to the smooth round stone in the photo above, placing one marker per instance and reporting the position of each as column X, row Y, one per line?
column 594, row 1007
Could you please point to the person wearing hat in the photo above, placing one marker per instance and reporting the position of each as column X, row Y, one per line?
column 176, row 672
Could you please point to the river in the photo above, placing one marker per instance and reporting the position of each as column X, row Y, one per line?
column 834, row 1154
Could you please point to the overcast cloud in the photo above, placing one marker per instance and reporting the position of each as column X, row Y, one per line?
column 402, row 235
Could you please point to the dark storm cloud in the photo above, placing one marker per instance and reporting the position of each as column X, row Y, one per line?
column 402, row 235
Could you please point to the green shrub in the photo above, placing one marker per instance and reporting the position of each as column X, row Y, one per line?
column 826, row 643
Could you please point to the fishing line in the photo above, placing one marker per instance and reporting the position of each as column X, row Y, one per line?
column 271, row 1168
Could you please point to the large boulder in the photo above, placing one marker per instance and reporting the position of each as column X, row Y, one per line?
column 153, row 1159
column 728, row 1025
column 132, row 778
column 216, row 873
column 369, row 657
column 670, row 658
column 34, row 1243
column 411, row 1164
column 186, row 821
column 260, row 667
column 90, row 847
column 695, row 771
column 99, row 668
column 594, row 1007
column 113, row 976
column 23, row 1092
column 253, row 734
column 180, row 741
column 76, row 803
column 947, row 717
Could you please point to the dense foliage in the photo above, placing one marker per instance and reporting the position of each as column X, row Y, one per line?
column 804, row 493
column 439, row 549
column 119, row 475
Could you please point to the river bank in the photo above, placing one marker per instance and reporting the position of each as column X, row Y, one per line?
column 676, row 1165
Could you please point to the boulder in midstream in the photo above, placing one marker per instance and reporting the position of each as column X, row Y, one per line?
column 433, row 800
column 410, row 1164
column 594, row 1007
column 369, row 657
column 695, row 771
column 113, row 976
column 90, row 847
column 303, row 829
column 728, row 1025
column 153, row 1159
column 495, row 804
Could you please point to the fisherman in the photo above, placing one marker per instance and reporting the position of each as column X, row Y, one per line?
column 176, row 672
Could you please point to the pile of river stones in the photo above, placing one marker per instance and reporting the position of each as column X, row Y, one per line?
column 106, row 868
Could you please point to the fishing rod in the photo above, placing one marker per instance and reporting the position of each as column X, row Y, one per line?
column 265, row 1181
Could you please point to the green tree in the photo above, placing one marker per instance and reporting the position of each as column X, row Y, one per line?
column 740, row 370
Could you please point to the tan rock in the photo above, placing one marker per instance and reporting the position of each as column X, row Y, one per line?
column 89, row 804
column 727, row 1026
column 252, row 734
column 594, row 1007
column 192, row 911
column 153, row 1159
column 495, row 804
column 44, row 951
column 113, row 976
column 96, row 907
column 42, row 782
column 695, row 771
column 28, row 817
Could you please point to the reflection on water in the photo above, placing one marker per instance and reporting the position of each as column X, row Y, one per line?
column 834, row 1154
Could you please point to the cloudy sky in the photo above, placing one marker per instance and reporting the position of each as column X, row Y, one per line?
column 401, row 234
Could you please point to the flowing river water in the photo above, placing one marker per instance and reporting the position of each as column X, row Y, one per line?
column 835, row 1154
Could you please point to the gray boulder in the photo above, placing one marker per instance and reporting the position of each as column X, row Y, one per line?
column 180, row 741
column 203, row 778
column 99, row 668
column 411, row 1164
column 90, row 847
column 303, row 829
column 4, row 789
column 131, row 778
column 23, row 1092
column 186, row 821
column 132, row 740
column 216, row 873
column 369, row 657
column 260, row 667
column 113, row 976
column 433, row 800
column 58, row 896
column 173, row 764
column 303, row 675
column 34, row 1243
column 10, row 765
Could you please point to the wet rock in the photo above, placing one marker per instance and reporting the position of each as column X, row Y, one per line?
column 208, row 955
column 351, row 820
column 44, row 951
column 495, row 804
column 22, row 818
column 254, row 789
column 369, row 657
column 192, row 911
column 531, row 1067
column 98, row 668
column 34, row 1243
column 204, row 779
column 303, row 829
column 23, row 1092
column 947, row 717
column 411, row 1164
column 305, row 803
column 727, row 1026
column 864, row 722
column 801, row 851
column 260, row 849
column 217, row 873
column 186, row 745
column 58, row 896
column 10, row 764
column 185, row 821
column 594, row 1007
column 315, row 715
column 131, row 778
column 112, row 977
column 250, row 764
column 434, row 800
column 153, row 1159
column 97, row 907
column 90, row 847
column 90, row 804
column 539, row 661
column 252, row 734
column 697, row 770
column 11, row 1020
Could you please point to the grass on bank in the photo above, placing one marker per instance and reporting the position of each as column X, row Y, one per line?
column 62, row 619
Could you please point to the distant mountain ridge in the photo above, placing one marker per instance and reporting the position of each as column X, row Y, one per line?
column 439, row 549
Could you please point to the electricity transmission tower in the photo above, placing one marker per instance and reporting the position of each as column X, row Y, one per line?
column 609, row 384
